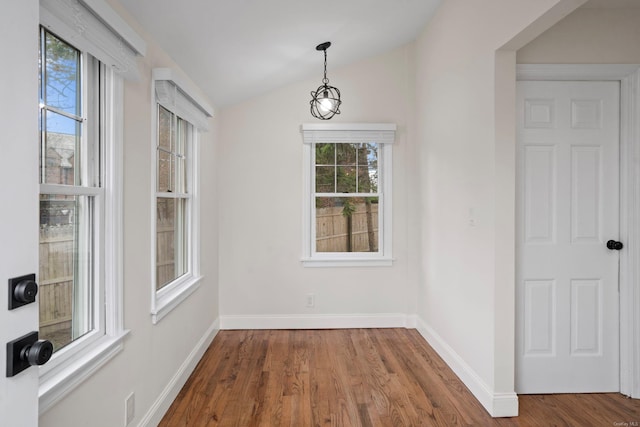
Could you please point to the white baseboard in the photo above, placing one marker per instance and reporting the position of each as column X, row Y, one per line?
column 318, row 321
column 163, row 402
column 496, row 404
column 412, row 321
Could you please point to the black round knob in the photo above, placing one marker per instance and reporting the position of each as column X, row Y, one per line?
column 614, row 245
column 25, row 291
column 37, row 353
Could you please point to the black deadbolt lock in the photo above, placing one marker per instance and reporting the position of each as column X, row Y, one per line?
column 27, row 351
column 614, row 246
column 22, row 291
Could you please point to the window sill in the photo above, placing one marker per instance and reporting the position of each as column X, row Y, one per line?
column 56, row 385
column 165, row 302
column 348, row 262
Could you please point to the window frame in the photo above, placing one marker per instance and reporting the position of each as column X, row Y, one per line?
column 184, row 103
column 75, row 362
column 384, row 135
column 96, row 29
column 169, row 296
column 185, row 193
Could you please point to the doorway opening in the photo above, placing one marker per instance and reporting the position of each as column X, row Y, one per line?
column 628, row 78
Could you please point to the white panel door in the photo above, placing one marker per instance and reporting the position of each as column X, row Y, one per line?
column 568, row 208
column 19, row 206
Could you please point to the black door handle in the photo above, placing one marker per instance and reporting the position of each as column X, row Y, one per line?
column 27, row 351
column 614, row 245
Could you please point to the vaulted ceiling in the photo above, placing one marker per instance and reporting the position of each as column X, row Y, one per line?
column 236, row 49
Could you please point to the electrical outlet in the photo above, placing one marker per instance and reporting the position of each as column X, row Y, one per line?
column 311, row 300
column 130, row 408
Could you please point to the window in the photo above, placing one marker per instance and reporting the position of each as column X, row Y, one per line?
column 176, row 262
column 173, row 199
column 71, row 193
column 347, row 194
column 80, row 250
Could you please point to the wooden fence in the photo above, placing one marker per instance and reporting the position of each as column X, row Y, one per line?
column 55, row 279
column 57, row 263
column 332, row 229
column 56, row 283
column 165, row 253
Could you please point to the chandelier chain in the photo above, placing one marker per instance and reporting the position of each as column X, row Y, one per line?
column 325, row 80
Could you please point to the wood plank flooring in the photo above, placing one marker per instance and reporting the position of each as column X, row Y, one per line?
column 356, row 377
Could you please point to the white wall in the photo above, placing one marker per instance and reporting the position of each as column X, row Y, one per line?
column 261, row 204
column 466, row 136
column 153, row 354
column 588, row 36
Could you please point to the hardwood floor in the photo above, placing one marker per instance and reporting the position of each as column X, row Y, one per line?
column 357, row 377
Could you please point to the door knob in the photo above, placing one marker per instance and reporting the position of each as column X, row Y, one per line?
column 27, row 351
column 37, row 353
column 614, row 245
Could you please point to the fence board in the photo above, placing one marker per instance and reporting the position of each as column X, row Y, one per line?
column 332, row 229
column 56, row 283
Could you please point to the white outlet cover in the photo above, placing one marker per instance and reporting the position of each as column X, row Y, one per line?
column 130, row 408
column 311, row 300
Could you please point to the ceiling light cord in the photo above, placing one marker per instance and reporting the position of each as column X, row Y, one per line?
column 325, row 80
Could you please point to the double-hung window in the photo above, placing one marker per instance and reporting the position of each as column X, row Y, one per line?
column 347, row 212
column 71, row 192
column 80, row 221
column 174, row 160
column 178, row 117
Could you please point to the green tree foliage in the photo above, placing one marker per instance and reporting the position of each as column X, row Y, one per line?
column 62, row 81
column 348, row 169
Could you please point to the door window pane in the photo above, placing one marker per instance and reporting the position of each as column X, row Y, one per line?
column 65, row 276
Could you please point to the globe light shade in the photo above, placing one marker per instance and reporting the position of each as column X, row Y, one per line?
column 325, row 101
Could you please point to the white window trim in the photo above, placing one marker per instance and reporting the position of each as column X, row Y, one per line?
column 381, row 133
column 184, row 100
column 76, row 362
column 163, row 301
column 95, row 28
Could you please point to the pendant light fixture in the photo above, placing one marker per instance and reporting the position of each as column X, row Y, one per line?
column 325, row 101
